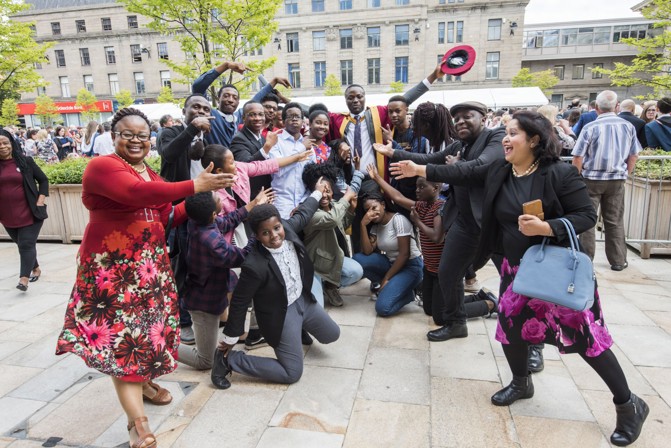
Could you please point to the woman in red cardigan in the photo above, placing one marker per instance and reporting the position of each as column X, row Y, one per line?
column 122, row 317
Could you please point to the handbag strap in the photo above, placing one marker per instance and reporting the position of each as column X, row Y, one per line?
column 573, row 238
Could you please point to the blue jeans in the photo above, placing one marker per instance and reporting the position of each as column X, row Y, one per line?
column 399, row 290
column 351, row 273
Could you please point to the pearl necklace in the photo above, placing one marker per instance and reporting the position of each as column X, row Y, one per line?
column 528, row 171
column 138, row 170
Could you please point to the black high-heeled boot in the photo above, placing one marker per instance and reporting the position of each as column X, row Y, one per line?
column 521, row 387
column 630, row 418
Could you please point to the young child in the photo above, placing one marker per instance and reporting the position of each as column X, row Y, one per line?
column 277, row 275
column 209, row 259
column 425, row 215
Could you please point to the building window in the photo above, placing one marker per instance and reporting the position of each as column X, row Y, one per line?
column 460, row 31
column 291, row 6
column 559, row 72
column 557, row 99
column 139, row 83
column 374, row 71
column 38, row 65
column 345, row 4
column 401, row 72
column 60, row 58
column 441, row 32
column 136, row 53
column 578, row 71
column 494, row 29
column 373, row 4
column 346, row 39
column 65, row 86
column 132, row 22
column 110, row 57
column 492, row 69
column 440, row 61
column 80, row 25
column 295, row 75
column 162, row 50
column 450, row 32
column 56, row 28
column 113, row 79
column 346, row 72
column 106, row 23
column 374, row 37
column 292, row 43
column 597, row 75
column 317, row 5
column 402, row 2
column 88, row 83
column 320, row 73
column 318, row 40
column 402, row 34
column 165, row 79
column 84, row 56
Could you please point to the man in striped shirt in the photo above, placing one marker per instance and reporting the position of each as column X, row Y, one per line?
column 605, row 154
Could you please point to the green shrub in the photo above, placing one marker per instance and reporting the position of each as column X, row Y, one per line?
column 70, row 171
column 653, row 169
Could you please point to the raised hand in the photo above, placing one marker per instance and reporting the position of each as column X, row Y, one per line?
column 305, row 155
column 450, row 159
column 281, row 81
column 372, row 172
column 238, row 67
column 308, row 143
column 206, row 181
column 403, row 169
column 271, row 140
column 385, row 150
column 369, row 216
column 203, row 123
column 387, row 135
column 321, row 185
column 357, row 162
column 265, row 196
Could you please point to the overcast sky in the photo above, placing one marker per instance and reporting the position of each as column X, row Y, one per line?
column 546, row 11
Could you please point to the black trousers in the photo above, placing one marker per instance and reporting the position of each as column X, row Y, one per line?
column 26, row 239
column 459, row 249
column 178, row 242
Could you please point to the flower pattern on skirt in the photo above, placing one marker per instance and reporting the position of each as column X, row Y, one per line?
column 122, row 316
column 532, row 321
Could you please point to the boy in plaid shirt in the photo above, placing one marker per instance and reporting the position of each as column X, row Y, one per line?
column 209, row 259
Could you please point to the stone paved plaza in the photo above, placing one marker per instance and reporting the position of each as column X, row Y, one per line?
column 381, row 385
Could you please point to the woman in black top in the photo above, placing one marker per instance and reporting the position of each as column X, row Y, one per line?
column 531, row 170
column 63, row 142
column 22, row 208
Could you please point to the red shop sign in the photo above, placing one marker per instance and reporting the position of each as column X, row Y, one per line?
column 66, row 107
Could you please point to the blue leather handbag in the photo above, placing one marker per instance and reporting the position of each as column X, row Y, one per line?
column 560, row 275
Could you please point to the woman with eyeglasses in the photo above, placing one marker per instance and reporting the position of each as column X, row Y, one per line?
column 122, row 317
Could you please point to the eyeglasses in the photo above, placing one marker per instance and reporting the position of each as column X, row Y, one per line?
column 294, row 117
column 128, row 135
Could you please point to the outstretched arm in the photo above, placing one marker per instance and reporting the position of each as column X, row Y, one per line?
column 423, row 87
column 390, row 191
column 204, row 81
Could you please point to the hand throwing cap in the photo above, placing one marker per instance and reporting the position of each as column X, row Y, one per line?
column 458, row 60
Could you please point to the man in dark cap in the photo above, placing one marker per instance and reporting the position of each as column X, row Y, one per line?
column 476, row 145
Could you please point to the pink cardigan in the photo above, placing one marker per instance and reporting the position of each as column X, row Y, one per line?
column 241, row 187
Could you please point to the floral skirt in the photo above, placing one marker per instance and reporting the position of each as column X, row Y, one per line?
column 122, row 318
column 524, row 320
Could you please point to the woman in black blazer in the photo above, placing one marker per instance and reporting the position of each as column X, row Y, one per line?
column 531, row 170
column 23, row 188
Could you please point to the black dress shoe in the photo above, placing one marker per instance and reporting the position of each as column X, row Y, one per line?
column 220, row 370
column 630, row 418
column 520, row 388
column 486, row 295
column 306, row 339
column 620, row 267
column 449, row 331
column 535, row 361
column 22, row 287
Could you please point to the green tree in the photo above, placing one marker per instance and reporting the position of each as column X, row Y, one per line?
column 18, row 52
column 124, row 98
column 332, row 86
column 166, row 95
column 545, row 80
column 396, row 87
column 87, row 102
column 650, row 67
column 46, row 110
column 213, row 30
column 9, row 115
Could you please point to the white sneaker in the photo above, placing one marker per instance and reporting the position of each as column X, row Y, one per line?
column 473, row 287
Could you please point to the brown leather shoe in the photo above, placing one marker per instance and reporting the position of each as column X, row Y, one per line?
column 145, row 439
column 156, row 394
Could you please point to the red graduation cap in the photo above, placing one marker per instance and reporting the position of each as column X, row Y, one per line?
column 458, row 60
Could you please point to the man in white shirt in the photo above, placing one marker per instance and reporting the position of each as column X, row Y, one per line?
column 104, row 145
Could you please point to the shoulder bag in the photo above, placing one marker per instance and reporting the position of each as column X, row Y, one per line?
column 560, row 275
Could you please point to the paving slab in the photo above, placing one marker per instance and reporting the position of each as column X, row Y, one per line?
column 14, row 411
column 462, row 415
column 348, row 352
column 658, row 378
column 40, row 354
column 292, row 438
column 549, row 433
column 405, row 331
column 54, row 380
column 321, row 401
column 661, row 318
column 467, row 358
column 377, row 424
column 394, row 374
column 358, row 311
column 631, row 339
column 12, row 377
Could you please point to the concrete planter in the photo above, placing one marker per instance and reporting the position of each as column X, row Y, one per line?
column 53, row 228
column 648, row 214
